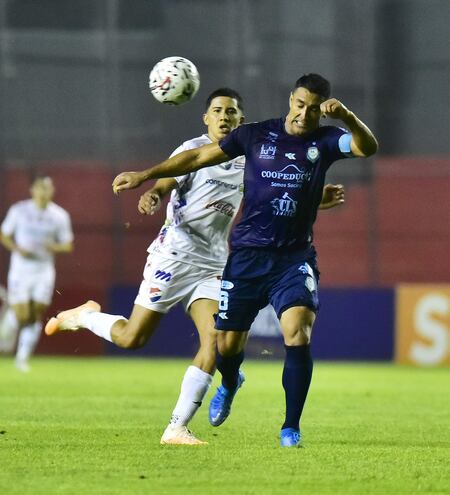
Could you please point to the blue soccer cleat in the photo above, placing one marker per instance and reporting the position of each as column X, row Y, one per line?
column 290, row 437
column 220, row 405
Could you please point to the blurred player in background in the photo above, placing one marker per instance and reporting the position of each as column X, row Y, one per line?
column 185, row 261
column 34, row 230
column 272, row 257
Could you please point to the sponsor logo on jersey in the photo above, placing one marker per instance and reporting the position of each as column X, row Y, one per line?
column 290, row 156
column 272, row 137
column 155, row 294
column 162, row 275
column 221, row 183
column 312, row 154
column 222, row 207
column 290, row 172
column 284, row 206
column 267, row 152
column 223, row 315
column 227, row 165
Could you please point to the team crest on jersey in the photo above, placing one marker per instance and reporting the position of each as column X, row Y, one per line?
column 312, row 154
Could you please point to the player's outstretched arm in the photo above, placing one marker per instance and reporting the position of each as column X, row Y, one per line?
column 150, row 201
column 363, row 141
column 333, row 195
column 180, row 164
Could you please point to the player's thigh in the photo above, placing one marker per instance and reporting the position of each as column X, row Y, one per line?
column 38, row 310
column 23, row 312
column 42, row 286
column 296, row 325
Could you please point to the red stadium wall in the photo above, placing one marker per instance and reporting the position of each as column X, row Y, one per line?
column 394, row 230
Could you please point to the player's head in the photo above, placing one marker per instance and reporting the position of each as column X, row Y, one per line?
column 224, row 112
column 304, row 104
column 42, row 191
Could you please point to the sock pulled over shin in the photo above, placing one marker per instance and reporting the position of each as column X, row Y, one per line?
column 229, row 369
column 297, row 373
column 194, row 387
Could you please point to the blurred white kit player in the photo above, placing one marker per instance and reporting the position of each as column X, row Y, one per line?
column 34, row 230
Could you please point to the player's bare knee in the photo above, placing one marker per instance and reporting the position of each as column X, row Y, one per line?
column 297, row 333
column 298, row 336
column 230, row 343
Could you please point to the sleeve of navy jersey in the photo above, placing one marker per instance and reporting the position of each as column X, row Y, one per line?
column 234, row 144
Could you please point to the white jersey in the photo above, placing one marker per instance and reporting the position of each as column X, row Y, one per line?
column 32, row 228
column 201, row 211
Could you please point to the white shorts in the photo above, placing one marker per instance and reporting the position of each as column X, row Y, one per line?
column 168, row 282
column 33, row 285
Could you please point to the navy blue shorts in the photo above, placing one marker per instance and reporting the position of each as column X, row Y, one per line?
column 252, row 278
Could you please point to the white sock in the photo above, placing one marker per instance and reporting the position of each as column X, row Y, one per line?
column 28, row 338
column 194, row 387
column 100, row 323
column 8, row 330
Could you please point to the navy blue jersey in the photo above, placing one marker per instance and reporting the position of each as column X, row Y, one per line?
column 283, row 182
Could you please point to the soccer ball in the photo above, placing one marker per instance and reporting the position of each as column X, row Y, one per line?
column 174, row 80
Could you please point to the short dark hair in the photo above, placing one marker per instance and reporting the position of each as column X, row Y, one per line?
column 231, row 93
column 314, row 83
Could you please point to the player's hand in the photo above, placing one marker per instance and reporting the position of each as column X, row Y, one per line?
column 334, row 109
column 149, row 203
column 333, row 195
column 127, row 180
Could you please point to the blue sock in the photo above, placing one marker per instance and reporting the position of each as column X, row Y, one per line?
column 297, row 373
column 229, row 369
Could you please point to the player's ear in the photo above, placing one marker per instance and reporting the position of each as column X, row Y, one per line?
column 205, row 119
column 291, row 97
column 241, row 120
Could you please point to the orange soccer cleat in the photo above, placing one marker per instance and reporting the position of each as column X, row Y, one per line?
column 70, row 319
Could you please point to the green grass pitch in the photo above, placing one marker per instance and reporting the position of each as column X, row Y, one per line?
column 92, row 426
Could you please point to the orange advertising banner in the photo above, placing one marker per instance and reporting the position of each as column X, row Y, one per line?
column 422, row 329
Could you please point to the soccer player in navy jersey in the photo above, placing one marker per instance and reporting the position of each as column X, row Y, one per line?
column 272, row 257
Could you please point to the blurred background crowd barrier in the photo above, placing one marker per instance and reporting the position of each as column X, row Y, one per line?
column 75, row 105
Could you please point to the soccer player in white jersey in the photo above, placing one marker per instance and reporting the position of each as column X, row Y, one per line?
column 34, row 230
column 185, row 262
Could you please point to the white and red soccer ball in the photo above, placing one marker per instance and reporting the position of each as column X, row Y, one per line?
column 174, row 80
